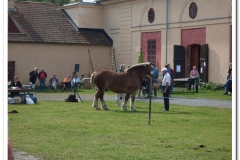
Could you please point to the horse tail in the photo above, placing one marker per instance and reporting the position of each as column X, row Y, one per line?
column 92, row 77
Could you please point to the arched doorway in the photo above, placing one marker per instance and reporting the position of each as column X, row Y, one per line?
column 197, row 55
column 193, row 53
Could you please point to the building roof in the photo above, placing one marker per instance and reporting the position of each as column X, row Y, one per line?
column 46, row 22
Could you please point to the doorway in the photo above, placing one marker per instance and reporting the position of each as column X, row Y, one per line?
column 11, row 70
column 196, row 55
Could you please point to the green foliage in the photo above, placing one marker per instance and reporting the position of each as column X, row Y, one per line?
column 140, row 56
column 211, row 86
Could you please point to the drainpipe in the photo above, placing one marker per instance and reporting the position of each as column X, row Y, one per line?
column 166, row 30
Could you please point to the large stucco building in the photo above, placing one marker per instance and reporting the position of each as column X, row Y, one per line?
column 43, row 35
column 182, row 33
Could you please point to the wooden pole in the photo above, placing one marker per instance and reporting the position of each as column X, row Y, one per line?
column 150, row 100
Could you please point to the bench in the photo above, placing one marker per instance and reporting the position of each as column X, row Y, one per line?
column 182, row 82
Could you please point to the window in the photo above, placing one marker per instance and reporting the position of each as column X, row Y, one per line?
column 193, row 10
column 152, row 51
column 151, row 15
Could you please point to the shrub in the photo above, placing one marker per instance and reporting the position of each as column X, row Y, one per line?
column 211, row 86
column 140, row 56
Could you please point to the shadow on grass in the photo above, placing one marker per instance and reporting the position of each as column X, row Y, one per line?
column 183, row 93
column 157, row 112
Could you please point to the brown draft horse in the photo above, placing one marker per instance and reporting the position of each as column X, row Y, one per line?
column 127, row 82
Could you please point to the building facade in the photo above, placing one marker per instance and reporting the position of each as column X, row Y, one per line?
column 182, row 33
column 43, row 35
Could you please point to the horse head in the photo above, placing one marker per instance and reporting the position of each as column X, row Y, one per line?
column 142, row 68
column 149, row 67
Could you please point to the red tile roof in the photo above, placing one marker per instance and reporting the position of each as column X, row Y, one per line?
column 46, row 22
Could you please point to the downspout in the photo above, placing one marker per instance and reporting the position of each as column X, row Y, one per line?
column 166, row 30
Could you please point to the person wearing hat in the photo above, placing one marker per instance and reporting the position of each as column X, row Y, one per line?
column 155, row 75
column 170, row 71
column 166, row 82
column 33, row 77
column 120, row 96
column 42, row 76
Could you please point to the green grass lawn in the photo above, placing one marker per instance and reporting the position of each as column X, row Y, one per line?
column 73, row 131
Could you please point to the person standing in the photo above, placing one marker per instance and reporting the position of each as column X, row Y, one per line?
column 42, row 76
column 171, row 75
column 172, row 78
column 120, row 96
column 155, row 74
column 33, row 77
column 229, row 71
column 194, row 76
column 166, row 82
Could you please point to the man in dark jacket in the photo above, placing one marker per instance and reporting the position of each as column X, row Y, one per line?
column 33, row 77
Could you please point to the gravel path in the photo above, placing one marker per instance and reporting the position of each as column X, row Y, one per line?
column 180, row 101
column 19, row 155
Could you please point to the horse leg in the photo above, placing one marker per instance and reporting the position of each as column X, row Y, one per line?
column 124, row 104
column 104, row 106
column 95, row 101
column 132, row 102
column 117, row 99
column 123, row 98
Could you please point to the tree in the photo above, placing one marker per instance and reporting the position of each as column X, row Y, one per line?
column 140, row 56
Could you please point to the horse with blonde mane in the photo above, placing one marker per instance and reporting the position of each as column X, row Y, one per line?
column 127, row 82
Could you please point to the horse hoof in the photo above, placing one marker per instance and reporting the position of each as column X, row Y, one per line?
column 96, row 107
column 124, row 109
column 133, row 109
column 105, row 108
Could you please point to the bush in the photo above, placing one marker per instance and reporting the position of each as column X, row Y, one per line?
column 211, row 86
column 140, row 56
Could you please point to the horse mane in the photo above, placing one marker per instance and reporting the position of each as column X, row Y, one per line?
column 138, row 65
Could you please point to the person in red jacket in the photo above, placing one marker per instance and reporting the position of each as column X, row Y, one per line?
column 42, row 76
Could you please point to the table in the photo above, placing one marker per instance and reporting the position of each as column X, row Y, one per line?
column 181, row 79
column 19, row 90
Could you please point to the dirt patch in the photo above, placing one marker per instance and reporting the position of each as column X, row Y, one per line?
column 20, row 155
